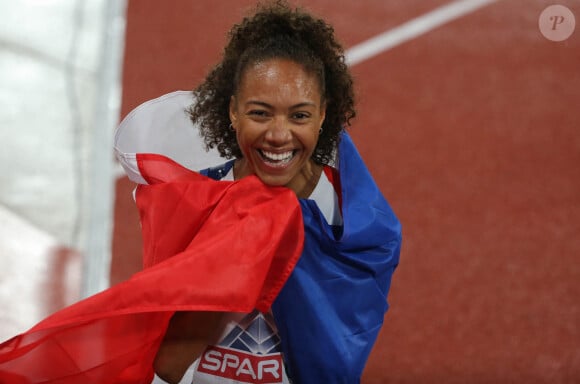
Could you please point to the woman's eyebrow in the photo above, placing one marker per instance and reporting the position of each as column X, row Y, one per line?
column 259, row 103
column 266, row 105
column 304, row 104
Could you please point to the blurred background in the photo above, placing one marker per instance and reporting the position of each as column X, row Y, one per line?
column 60, row 92
column 468, row 119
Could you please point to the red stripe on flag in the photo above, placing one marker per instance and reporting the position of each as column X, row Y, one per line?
column 209, row 245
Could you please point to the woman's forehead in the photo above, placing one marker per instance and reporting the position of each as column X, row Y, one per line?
column 279, row 76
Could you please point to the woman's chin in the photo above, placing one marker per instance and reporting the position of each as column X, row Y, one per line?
column 274, row 181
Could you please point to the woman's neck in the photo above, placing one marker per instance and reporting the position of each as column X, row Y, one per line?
column 303, row 183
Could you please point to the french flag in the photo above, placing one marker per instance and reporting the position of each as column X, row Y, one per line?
column 229, row 246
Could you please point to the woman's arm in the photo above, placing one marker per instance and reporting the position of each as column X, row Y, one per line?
column 187, row 336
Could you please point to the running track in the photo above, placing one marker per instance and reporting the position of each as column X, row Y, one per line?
column 472, row 131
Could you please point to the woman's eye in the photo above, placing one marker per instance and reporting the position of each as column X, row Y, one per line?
column 300, row 116
column 257, row 113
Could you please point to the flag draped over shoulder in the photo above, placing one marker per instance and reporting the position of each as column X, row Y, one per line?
column 224, row 246
column 331, row 308
column 208, row 245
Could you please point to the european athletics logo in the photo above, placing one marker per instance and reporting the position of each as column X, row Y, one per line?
column 249, row 353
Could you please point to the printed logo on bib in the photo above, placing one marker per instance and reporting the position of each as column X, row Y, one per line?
column 241, row 366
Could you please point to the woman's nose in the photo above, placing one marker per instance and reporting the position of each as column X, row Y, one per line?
column 278, row 132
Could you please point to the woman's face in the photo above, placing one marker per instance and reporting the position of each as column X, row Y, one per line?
column 277, row 114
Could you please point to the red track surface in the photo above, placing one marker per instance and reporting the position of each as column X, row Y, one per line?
column 473, row 134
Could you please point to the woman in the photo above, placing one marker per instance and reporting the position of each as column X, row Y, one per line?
column 277, row 103
column 276, row 273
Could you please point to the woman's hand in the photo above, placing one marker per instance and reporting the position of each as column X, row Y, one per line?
column 187, row 336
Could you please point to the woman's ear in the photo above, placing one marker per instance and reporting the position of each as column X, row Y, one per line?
column 233, row 111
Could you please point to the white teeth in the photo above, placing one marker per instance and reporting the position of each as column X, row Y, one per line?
column 286, row 156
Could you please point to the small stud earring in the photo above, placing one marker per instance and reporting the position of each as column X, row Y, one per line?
column 231, row 127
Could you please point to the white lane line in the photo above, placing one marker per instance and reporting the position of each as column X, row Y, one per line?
column 412, row 29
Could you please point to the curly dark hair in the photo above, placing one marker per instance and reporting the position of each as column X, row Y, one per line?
column 276, row 31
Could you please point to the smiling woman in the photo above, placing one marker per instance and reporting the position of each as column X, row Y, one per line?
column 271, row 267
column 278, row 104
